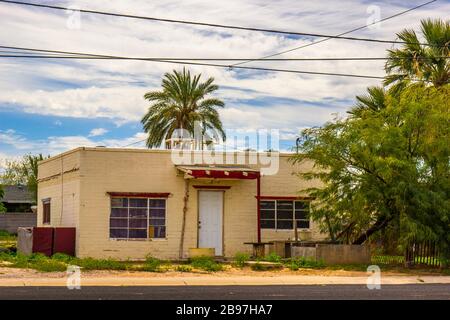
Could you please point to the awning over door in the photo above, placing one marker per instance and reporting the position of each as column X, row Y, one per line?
column 227, row 172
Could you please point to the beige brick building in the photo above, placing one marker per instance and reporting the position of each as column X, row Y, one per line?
column 127, row 203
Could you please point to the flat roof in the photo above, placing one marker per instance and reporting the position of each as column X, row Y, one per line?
column 141, row 150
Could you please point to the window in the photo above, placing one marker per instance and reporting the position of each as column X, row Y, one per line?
column 137, row 218
column 282, row 214
column 46, row 211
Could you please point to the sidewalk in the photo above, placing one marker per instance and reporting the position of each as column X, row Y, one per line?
column 210, row 280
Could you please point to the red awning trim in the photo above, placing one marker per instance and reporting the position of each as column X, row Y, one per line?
column 213, row 187
column 285, row 198
column 140, row 194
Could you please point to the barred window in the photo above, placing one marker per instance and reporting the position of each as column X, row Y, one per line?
column 282, row 214
column 137, row 218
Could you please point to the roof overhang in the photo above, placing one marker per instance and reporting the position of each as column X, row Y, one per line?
column 218, row 172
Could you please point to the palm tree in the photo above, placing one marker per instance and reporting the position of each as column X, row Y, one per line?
column 416, row 61
column 374, row 100
column 181, row 102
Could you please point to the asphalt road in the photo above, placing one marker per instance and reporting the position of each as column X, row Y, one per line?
column 273, row 292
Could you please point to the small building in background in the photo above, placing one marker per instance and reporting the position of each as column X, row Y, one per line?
column 17, row 198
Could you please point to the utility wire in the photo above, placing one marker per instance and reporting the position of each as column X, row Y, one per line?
column 338, row 35
column 205, row 24
column 200, row 63
column 130, row 144
column 3, row 54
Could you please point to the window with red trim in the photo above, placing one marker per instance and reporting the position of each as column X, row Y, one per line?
column 46, row 213
column 137, row 218
column 283, row 214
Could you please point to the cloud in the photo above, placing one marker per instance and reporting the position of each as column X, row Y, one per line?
column 97, row 132
column 114, row 89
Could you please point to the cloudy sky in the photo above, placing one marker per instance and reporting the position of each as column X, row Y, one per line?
column 49, row 106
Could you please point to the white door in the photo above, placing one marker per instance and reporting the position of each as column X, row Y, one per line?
column 210, row 220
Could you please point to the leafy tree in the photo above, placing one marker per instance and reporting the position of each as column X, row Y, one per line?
column 181, row 102
column 380, row 166
column 416, row 61
column 23, row 172
column 374, row 100
column 2, row 207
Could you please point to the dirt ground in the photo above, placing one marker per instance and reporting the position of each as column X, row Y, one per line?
column 11, row 273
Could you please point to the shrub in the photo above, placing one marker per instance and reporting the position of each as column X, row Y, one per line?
column 206, row 263
column 100, row 264
column 240, row 259
column 273, row 257
column 152, row 264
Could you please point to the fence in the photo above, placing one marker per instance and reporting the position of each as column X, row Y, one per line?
column 416, row 253
column 11, row 221
column 426, row 253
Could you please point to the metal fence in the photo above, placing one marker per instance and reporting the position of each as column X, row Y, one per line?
column 416, row 253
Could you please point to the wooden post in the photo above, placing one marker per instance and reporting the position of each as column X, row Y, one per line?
column 185, row 209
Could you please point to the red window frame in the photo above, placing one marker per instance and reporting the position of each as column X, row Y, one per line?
column 46, row 211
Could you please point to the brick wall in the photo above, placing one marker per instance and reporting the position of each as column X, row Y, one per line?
column 89, row 173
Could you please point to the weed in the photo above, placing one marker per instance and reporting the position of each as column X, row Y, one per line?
column 240, row 259
column 206, row 263
column 302, row 262
column 184, row 268
column 64, row 258
column 152, row 264
column 273, row 257
column 101, row 264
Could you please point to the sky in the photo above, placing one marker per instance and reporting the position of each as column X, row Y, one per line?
column 51, row 106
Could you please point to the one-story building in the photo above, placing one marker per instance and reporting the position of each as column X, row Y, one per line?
column 17, row 198
column 128, row 203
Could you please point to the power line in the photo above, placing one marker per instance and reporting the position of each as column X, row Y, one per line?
column 130, row 144
column 54, row 56
column 338, row 35
column 201, row 63
column 205, row 24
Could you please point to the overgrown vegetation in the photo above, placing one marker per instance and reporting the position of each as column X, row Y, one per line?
column 206, row 264
column 387, row 164
column 184, row 268
column 302, row 262
column 240, row 259
column 273, row 257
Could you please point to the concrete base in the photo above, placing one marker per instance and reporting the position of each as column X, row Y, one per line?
column 201, row 252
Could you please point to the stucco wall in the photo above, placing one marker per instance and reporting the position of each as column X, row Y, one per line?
column 11, row 221
column 102, row 170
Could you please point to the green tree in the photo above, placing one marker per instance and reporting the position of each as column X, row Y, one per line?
column 2, row 207
column 181, row 102
column 24, row 172
column 421, row 60
column 380, row 166
column 374, row 101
